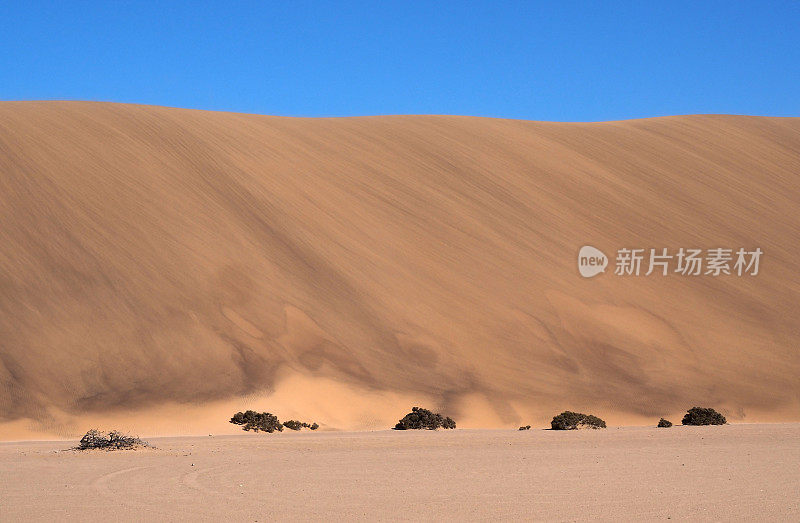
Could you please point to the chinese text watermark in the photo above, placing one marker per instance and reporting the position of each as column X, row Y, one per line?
column 683, row 261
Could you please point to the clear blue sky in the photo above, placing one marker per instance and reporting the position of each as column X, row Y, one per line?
column 558, row 60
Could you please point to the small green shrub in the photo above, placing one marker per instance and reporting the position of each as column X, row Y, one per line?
column 297, row 425
column 568, row 420
column 448, row 423
column 420, row 418
column 703, row 416
column 664, row 424
column 525, row 427
column 293, row 425
column 255, row 421
column 112, row 440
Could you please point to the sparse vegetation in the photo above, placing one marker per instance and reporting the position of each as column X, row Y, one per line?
column 293, row 425
column 703, row 416
column 267, row 422
column 255, row 421
column 420, row 418
column 297, row 425
column 664, row 424
column 525, row 427
column 112, row 440
column 568, row 420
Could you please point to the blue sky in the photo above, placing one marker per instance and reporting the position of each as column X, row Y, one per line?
column 564, row 61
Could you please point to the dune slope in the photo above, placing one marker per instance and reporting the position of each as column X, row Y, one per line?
column 155, row 255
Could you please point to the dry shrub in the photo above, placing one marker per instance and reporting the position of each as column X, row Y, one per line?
column 112, row 440
column 420, row 418
column 703, row 416
column 297, row 425
column 568, row 420
column 257, row 421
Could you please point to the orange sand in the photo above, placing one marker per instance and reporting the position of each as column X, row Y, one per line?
column 161, row 268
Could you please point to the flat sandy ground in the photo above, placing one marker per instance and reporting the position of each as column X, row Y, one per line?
column 735, row 472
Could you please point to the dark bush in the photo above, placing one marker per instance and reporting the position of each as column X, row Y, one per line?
column 448, row 423
column 703, row 416
column 293, row 425
column 297, row 425
column 113, row 440
column 568, row 420
column 420, row 418
column 525, row 427
column 255, row 421
column 664, row 424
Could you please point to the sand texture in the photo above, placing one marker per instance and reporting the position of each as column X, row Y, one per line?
column 729, row 473
column 341, row 270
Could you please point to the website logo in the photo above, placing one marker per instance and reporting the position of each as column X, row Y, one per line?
column 591, row 261
column 684, row 261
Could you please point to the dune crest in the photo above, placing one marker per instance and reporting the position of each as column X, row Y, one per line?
column 155, row 256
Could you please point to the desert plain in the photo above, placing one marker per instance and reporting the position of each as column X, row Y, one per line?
column 728, row 473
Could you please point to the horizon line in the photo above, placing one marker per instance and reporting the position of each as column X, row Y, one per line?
column 390, row 115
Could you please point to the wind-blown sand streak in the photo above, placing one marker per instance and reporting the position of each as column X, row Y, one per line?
column 342, row 269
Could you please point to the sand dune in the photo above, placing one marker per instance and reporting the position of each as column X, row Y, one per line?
column 159, row 264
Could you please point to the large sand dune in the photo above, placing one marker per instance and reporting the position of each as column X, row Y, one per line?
column 165, row 264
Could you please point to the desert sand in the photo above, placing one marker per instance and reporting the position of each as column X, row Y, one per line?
column 163, row 268
column 728, row 473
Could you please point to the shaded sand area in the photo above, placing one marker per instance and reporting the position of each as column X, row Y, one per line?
column 156, row 257
column 733, row 472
